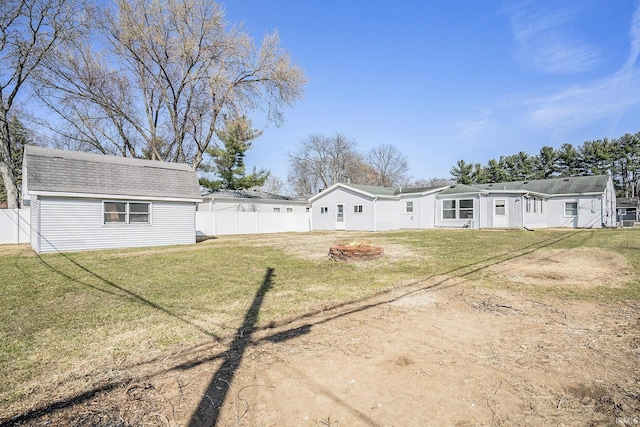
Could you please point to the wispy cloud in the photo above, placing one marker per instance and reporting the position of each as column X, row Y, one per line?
column 603, row 98
column 546, row 39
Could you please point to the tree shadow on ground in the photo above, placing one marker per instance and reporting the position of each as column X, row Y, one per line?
column 208, row 411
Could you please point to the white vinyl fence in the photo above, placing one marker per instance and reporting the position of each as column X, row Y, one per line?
column 219, row 223
column 14, row 226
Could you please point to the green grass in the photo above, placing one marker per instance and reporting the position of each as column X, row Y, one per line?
column 66, row 317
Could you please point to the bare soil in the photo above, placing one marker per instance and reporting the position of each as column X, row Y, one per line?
column 443, row 352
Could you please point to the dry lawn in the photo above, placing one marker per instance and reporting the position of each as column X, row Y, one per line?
column 453, row 349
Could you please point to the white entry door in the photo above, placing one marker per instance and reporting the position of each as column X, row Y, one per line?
column 500, row 213
column 340, row 217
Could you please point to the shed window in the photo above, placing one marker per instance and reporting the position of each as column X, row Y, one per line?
column 357, row 209
column 127, row 213
column 408, row 207
column 324, row 210
column 570, row 208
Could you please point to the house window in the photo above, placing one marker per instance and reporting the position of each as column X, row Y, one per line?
column 357, row 209
column 307, row 209
column 528, row 204
column 449, row 209
column 324, row 210
column 408, row 207
column 501, row 209
column 289, row 209
column 126, row 213
column 465, row 210
column 570, row 208
column 457, row 209
column 276, row 209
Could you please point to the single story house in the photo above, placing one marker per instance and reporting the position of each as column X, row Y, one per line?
column 251, row 200
column 577, row 202
column 371, row 208
column 80, row 201
column 628, row 209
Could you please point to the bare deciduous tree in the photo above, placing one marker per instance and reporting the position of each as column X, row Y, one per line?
column 389, row 165
column 168, row 71
column 321, row 161
column 30, row 32
column 274, row 185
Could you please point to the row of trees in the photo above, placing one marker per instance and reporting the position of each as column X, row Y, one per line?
column 619, row 156
column 320, row 161
column 139, row 78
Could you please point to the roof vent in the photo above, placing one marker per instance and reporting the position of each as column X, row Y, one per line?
column 566, row 179
column 525, row 182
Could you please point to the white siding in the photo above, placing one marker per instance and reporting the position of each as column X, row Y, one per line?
column 589, row 212
column 537, row 219
column 353, row 221
column 70, row 224
column 388, row 214
column 609, row 205
column 428, row 211
column 34, row 207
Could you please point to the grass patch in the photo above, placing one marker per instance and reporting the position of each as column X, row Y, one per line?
column 83, row 319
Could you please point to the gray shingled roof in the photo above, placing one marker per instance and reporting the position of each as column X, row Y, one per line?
column 61, row 171
column 552, row 186
column 373, row 189
column 248, row 194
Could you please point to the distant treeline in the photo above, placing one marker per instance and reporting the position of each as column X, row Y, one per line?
column 619, row 157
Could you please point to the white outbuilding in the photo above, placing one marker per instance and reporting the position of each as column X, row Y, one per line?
column 83, row 201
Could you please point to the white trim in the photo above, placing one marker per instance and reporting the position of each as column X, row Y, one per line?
column 348, row 187
column 340, row 225
column 112, row 196
column 127, row 219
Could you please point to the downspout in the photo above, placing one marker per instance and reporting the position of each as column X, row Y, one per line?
column 522, row 209
column 374, row 212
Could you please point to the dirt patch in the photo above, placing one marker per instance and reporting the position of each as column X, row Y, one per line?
column 583, row 267
column 410, row 357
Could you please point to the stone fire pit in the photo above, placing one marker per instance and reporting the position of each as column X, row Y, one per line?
column 355, row 252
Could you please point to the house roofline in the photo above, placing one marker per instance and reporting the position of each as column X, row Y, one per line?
column 348, row 187
column 253, row 200
column 112, row 196
column 425, row 193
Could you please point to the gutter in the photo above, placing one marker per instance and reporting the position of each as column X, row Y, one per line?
column 113, row 196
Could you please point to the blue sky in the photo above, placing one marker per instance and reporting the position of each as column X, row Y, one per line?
column 450, row 80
